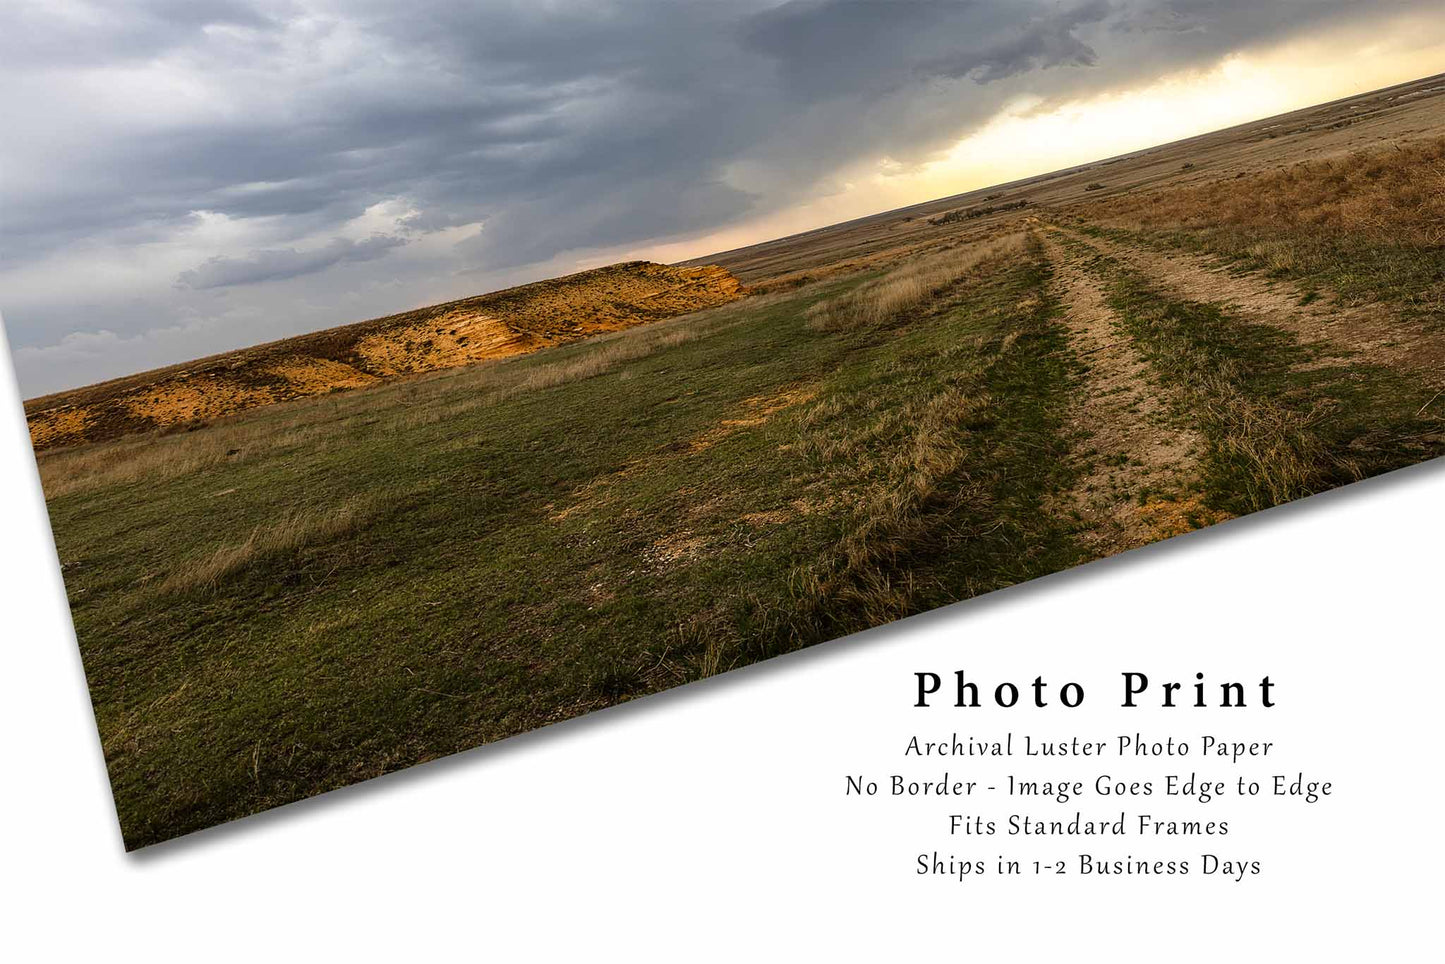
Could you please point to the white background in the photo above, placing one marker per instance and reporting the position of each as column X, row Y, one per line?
column 711, row 822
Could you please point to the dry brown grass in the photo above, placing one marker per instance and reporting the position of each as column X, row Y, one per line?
column 1278, row 447
column 899, row 458
column 891, row 517
column 912, row 286
column 1395, row 196
column 157, row 458
column 288, row 535
column 711, row 663
column 607, row 357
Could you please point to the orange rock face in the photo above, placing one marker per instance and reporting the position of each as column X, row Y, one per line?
column 509, row 322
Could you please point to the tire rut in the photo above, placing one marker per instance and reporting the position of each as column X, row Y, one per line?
column 1138, row 466
column 1370, row 333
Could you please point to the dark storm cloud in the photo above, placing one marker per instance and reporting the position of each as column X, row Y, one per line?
column 277, row 264
column 558, row 126
column 1048, row 42
column 473, row 110
column 831, row 47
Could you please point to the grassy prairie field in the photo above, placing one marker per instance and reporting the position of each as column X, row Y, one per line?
column 905, row 412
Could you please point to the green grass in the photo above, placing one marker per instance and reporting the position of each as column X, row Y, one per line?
column 947, row 440
column 510, row 556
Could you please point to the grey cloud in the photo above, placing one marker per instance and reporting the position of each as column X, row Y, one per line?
column 1048, row 41
column 278, row 264
column 474, row 110
column 830, row 48
column 562, row 126
column 51, row 33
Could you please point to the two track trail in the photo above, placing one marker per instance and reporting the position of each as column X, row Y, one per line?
column 1137, row 460
column 1363, row 333
column 1208, row 393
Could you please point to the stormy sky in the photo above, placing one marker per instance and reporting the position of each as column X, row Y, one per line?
column 179, row 177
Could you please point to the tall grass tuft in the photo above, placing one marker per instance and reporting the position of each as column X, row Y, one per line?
column 284, row 538
column 887, row 299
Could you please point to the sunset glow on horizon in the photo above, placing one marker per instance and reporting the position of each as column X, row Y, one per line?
column 1032, row 137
